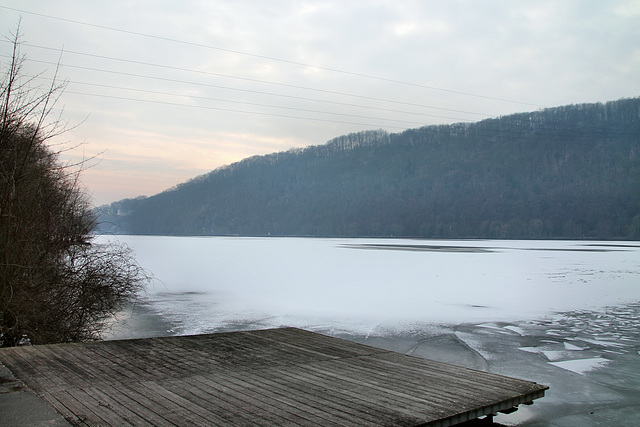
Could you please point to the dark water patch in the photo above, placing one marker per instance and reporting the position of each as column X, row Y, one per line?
column 420, row 248
column 480, row 249
column 570, row 249
column 179, row 296
column 139, row 320
column 612, row 245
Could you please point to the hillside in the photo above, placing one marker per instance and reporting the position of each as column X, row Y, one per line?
column 565, row 172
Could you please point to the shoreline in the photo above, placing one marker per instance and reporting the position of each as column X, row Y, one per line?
column 139, row 320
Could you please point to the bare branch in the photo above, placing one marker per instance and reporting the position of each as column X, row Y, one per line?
column 56, row 283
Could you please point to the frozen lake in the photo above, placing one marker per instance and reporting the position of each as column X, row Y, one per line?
column 562, row 313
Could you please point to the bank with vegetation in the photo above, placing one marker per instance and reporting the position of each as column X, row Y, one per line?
column 567, row 172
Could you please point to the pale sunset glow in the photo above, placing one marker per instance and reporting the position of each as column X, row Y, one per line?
column 164, row 92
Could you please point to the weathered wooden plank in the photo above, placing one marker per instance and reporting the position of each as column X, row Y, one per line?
column 377, row 395
column 188, row 408
column 225, row 398
column 244, row 391
column 151, row 403
column 445, row 389
column 104, row 373
column 97, row 411
column 429, row 370
column 362, row 395
column 242, row 400
column 416, row 364
column 281, row 376
column 54, row 400
column 325, row 397
column 342, row 410
column 74, row 382
column 314, row 387
column 76, row 411
column 42, row 377
column 123, row 405
column 218, row 356
column 263, row 352
column 437, row 388
column 102, row 369
column 147, row 362
column 23, row 368
column 483, row 381
column 59, row 369
column 316, row 342
column 237, row 408
column 120, row 361
column 172, row 365
column 182, row 411
column 272, row 393
column 504, row 392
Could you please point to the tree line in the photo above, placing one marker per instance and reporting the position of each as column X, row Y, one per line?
column 565, row 172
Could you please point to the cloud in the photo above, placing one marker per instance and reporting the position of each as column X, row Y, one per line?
column 175, row 89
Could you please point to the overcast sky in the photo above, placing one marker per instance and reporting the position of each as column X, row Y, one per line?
column 168, row 90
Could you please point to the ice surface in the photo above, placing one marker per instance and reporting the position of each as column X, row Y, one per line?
column 554, row 355
column 515, row 329
column 582, row 366
column 572, row 347
column 212, row 281
column 605, row 343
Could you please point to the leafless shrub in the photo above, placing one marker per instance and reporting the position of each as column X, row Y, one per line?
column 56, row 283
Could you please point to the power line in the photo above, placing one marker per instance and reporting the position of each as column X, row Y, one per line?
column 273, row 94
column 233, row 111
column 503, row 131
column 335, row 70
column 512, row 129
column 144, row 76
column 240, row 102
column 258, row 81
column 506, row 129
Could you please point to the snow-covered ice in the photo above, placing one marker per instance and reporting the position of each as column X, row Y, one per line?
column 304, row 280
column 561, row 313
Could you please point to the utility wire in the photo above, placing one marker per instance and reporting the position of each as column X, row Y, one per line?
column 514, row 131
column 505, row 129
column 257, row 80
column 145, row 76
column 335, row 70
column 232, row 110
column 154, row 92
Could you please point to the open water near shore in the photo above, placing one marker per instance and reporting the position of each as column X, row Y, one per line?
column 561, row 313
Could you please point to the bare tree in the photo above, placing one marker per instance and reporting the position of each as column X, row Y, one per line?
column 57, row 283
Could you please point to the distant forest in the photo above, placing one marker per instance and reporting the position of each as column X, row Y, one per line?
column 567, row 172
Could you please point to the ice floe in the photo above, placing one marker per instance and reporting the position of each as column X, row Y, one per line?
column 515, row 329
column 582, row 366
column 572, row 347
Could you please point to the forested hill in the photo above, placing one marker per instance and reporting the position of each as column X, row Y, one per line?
column 565, row 172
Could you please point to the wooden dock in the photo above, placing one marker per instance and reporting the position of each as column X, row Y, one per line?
column 282, row 376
